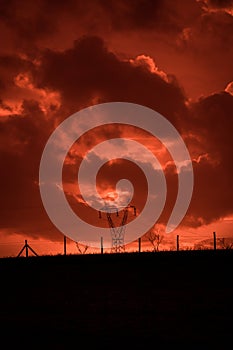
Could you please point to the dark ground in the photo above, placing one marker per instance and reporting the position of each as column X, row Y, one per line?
column 150, row 300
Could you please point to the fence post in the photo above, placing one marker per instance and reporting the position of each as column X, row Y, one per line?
column 26, row 247
column 215, row 245
column 64, row 245
column 101, row 245
column 139, row 244
column 177, row 243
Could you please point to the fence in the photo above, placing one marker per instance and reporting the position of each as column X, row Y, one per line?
column 30, row 247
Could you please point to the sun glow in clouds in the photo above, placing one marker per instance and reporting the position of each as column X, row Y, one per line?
column 76, row 125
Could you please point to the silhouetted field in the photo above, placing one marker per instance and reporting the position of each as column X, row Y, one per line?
column 151, row 300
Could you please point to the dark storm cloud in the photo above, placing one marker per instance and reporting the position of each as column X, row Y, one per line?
column 208, row 119
column 28, row 20
column 10, row 66
column 22, row 140
column 211, row 32
column 161, row 15
column 80, row 74
column 89, row 71
column 207, row 44
column 212, row 123
column 30, row 24
column 43, row 17
column 140, row 14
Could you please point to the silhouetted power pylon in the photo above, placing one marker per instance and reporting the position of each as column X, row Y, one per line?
column 117, row 232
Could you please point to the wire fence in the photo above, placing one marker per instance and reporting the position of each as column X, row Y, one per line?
column 156, row 242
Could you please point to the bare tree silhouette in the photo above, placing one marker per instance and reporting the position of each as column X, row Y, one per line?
column 155, row 238
column 224, row 244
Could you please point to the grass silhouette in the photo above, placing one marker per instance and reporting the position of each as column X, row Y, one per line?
column 165, row 298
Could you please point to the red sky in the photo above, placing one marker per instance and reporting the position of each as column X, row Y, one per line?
column 55, row 59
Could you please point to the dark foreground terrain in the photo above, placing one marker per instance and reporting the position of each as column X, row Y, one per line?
column 149, row 300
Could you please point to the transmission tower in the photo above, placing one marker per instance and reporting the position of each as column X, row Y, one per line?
column 117, row 232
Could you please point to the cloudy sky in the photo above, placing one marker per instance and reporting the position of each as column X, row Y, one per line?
column 175, row 57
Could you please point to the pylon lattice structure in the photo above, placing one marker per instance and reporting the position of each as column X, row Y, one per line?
column 118, row 232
